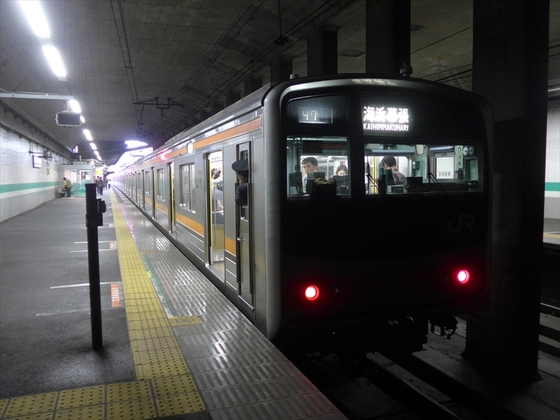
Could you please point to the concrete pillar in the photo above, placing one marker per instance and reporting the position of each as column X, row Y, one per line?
column 232, row 97
column 280, row 69
column 322, row 51
column 387, row 36
column 217, row 107
column 510, row 66
column 203, row 115
column 251, row 83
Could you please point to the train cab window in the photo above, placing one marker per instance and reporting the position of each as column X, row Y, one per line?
column 392, row 168
column 317, row 166
column 187, row 184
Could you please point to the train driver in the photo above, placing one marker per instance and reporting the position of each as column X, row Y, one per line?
column 389, row 162
column 241, row 168
column 309, row 164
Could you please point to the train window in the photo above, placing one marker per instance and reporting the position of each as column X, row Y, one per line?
column 317, row 165
column 187, row 184
column 148, row 183
column 419, row 168
column 160, row 186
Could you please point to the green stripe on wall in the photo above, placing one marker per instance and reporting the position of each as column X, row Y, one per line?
column 548, row 186
column 552, row 186
column 19, row 187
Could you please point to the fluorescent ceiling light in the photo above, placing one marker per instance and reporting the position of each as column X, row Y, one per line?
column 97, row 154
column 87, row 133
column 132, row 144
column 55, row 61
column 75, row 106
column 82, row 119
column 36, row 18
column 93, row 146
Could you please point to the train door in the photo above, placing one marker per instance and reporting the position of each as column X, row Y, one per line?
column 146, row 194
column 243, row 235
column 138, row 194
column 216, row 234
column 153, row 192
column 171, row 201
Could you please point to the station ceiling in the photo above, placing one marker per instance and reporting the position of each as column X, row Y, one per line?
column 148, row 69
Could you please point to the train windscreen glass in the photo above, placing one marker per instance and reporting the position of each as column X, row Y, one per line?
column 420, row 144
column 317, row 161
column 316, row 165
column 394, row 168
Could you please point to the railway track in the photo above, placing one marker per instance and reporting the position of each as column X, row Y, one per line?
column 378, row 388
column 410, row 391
column 549, row 330
column 398, row 388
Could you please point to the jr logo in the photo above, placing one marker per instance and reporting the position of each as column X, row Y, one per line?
column 462, row 221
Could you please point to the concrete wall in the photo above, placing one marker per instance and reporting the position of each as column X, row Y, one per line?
column 22, row 186
column 552, row 175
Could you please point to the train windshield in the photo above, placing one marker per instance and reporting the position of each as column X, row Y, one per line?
column 318, row 163
column 420, row 168
column 322, row 166
column 395, row 144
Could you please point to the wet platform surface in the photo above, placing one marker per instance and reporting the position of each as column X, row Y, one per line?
column 173, row 346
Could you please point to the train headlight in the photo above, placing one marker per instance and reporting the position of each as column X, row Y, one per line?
column 463, row 276
column 312, row 293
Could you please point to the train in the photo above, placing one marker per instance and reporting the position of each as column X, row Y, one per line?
column 341, row 253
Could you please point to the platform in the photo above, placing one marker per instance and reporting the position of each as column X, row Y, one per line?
column 173, row 346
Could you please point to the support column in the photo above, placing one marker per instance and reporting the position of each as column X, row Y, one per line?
column 280, row 69
column 232, row 97
column 387, row 36
column 510, row 66
column 216, row 107
column 322, row 51
column 251, row 84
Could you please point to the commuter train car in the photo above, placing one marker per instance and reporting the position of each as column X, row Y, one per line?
column 337, row 251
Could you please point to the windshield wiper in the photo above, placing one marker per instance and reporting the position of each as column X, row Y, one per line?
column 433, row 178
column 370, row 178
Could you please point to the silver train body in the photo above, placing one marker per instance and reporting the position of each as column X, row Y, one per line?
column 333, row 259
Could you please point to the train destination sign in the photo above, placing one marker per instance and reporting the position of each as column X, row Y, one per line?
column 385, row 118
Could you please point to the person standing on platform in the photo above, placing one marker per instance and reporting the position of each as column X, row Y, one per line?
column 241, row 168
column 100, row 185
column 67, row 186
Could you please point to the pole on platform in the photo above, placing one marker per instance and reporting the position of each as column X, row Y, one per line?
column 94, row 218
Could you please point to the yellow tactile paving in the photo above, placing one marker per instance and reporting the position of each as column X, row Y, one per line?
column 80, row 397
column 125, row 391
column 3, row 405
column 87, row 412
column 174, row 385
column 134, row 409
column 164, row 386
column 172, row 405
column 31, row 404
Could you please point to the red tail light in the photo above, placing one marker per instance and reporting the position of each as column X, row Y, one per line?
column 312, row 293
column 463, row 276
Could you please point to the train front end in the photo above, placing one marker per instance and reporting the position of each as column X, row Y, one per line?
column 383, row 221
